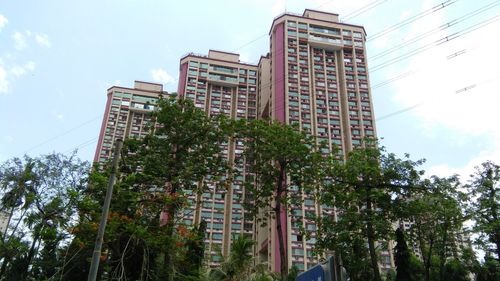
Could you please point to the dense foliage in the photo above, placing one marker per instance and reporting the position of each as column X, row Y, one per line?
column 383, row 204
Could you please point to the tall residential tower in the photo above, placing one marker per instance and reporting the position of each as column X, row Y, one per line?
column 127, row 114
column 315, row 75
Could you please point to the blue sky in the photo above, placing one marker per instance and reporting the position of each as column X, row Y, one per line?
column 57, row 58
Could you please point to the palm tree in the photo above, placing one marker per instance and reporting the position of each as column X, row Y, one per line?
column 238, row 263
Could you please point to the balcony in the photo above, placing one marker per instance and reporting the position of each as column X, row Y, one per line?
column 223, row 80
column 325, row 42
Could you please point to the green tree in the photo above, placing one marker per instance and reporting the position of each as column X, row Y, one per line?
column 239, row 263
column 44, row 191
column 402, row 258
column 159, row 175
column 437, row 211
column 282, row 159
column 454, row 270
column 191, row 262
column 365, row 190
column 183, row 153
column 135, row 240
column 489, row 270
column 484, row 188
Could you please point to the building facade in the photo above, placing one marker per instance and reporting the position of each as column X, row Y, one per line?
column 315, row 76
column 220, row 84
column 126, row 115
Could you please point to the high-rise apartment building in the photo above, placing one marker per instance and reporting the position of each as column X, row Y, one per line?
column 220, row 84
column 127, row 114
column 315, row 76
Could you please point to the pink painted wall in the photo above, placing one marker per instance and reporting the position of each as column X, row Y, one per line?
column 103, row 127
column 182, row 79
column 279, row 70
column 279, row 110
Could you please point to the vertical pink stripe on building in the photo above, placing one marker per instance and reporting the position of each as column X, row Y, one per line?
column 182, row 79
column 279, row 109
column 103, row 127
column 279, row 70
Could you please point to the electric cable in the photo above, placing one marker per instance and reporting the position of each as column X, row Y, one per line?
column 411, row 19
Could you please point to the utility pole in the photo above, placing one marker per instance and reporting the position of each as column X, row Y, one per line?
column 94, row 266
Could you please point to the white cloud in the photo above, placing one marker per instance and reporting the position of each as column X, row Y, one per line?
column 458, row 94
column 18, row 70
column 3, row 21
column 4, row 84
column 57, row 115
column 43, row 40
column 442, row 82
column 9, row 139
column 20, row 40
column 30, row 65
column 160, row 75
column 9, row 73
column 466, row 170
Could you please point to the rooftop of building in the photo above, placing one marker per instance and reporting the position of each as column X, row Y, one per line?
column 320, row 16
column 217, row 55
column 144, row 87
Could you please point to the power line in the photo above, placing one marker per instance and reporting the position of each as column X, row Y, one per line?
column 399, row 112
column 435, row 30
column 82, row 145
column 414, row 71
column 392, row 79
column 411, row 19
column 363, row 9
column 63, row 134
column 436, row 43
column 410, row 108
